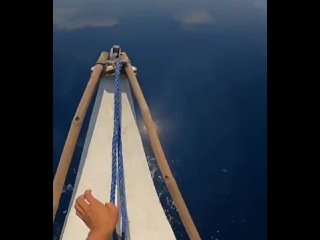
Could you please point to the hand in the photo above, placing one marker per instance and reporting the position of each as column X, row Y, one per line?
column 100, row 218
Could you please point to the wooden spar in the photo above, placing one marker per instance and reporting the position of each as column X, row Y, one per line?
column 159, row 153
column 74, row 131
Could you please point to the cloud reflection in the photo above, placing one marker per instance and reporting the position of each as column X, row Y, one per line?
column 197, row 17
column 76, row 14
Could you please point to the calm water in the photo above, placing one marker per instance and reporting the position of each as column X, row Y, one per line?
column 202, row 66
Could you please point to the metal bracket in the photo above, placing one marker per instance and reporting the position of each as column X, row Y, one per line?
column 115, row 53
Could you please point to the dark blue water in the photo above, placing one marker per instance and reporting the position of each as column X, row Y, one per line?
column 202, row 67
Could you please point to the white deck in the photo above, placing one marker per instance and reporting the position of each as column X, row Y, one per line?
column 146, row 215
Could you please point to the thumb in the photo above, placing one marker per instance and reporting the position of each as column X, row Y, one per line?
column 113, row 209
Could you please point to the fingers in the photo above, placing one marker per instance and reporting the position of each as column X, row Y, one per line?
column 81, row 203
column 84, row 219
column 89, row 197
column 82, row 210
column 79, row 210
column 80, row 216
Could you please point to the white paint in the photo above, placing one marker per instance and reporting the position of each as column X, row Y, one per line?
column 147, row 219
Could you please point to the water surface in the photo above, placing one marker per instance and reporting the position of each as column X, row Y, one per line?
column 202, row 67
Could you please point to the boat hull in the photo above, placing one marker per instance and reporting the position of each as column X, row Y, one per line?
column 147, row 219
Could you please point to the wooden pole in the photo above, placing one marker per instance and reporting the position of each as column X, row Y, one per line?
column 159, row 153
column 74, row 131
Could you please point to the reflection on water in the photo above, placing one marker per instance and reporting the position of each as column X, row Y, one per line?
column 202, row 67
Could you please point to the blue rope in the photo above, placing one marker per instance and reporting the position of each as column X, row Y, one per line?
column 117, row 178
column 115, row 139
